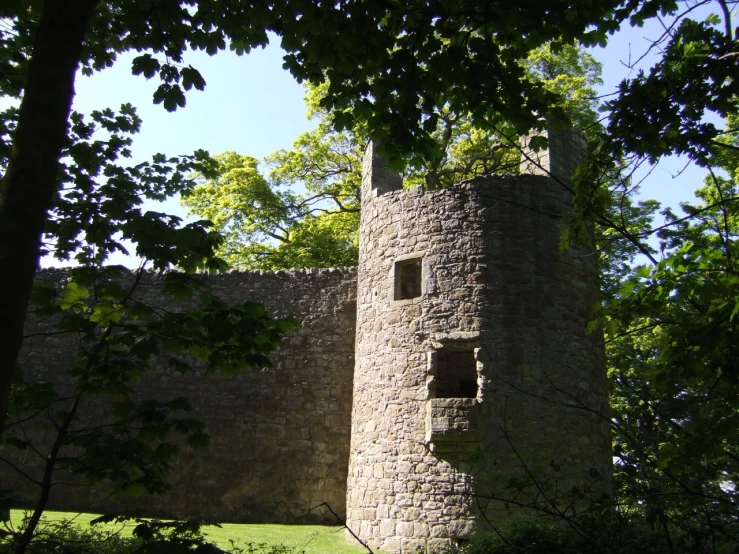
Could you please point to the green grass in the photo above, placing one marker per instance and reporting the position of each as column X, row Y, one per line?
column 311, row 539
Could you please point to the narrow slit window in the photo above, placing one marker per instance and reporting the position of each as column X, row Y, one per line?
column 408, row 276
column 456, row 374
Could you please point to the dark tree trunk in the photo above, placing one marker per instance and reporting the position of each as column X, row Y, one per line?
column 46, row 483
column 29, row 185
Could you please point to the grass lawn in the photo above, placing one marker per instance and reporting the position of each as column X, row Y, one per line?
column 310, row 539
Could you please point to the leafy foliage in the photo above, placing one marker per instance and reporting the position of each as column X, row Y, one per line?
column 404, row 66
column 269, row 225
column 665, row 111
column 99, row 202
column 672, row 352
column 65, row 536
column 269, row 228
column 585, row 534
column 670, row 322
column 120, row 329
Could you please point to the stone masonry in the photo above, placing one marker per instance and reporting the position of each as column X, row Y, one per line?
column 279, row 436
column 481, row 371
column 420, row 387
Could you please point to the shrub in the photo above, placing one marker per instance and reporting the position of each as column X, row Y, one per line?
column 149, row 537
column 605, row 534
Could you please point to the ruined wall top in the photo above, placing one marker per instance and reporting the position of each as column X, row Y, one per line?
column 566, row 150
column 377, row 178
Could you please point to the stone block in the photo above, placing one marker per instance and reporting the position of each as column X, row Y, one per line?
column 412, row 546
column 436, row 545
column 387, row 527
column 404, row 528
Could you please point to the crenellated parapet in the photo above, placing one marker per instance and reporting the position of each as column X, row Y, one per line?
column 564, row 152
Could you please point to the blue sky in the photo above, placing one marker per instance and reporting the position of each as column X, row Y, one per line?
column 252, row 106
column 249, row 104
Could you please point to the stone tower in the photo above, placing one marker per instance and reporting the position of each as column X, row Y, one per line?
column 476, row 388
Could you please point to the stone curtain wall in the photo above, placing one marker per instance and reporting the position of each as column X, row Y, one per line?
column 495, row 288
column 279, row 436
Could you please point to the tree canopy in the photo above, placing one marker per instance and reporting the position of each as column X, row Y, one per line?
column 267, row 227
column 269, row 224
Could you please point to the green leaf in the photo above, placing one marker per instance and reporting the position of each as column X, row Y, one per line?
column 538, row 143
column 644, row 271
column 72, row 297
column 146, row 65
column 200, row 351
column 106, row 313
column 171, row 96
column 191, row 77
column 713, row 19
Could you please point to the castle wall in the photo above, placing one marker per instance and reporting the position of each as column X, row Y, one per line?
column 501, row 314
column 476, row 392
column 279, row 436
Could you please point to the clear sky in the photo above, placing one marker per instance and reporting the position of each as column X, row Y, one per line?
column 673, row 180
column 252, row 106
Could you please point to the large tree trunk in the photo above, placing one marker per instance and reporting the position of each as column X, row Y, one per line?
column 29, row 185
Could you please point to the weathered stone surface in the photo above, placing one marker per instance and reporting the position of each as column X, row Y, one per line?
column 279, row 436
column 495, row 284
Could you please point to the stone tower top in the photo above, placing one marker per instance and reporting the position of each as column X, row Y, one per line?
column 377, row 178
column 564, row 153
column 559, row 160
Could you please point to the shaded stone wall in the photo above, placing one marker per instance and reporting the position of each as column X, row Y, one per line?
column 279, row 436
column 499, row 301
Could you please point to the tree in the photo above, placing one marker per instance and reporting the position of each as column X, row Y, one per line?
column 390, row 65
column 270, row 228
column 122, row 330
column 269, row 225
column 670, row 323
column 665, row 111
column 45, row 49
column 672, row 355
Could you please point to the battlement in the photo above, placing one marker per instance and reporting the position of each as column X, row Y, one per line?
column 377, row 178
column 564, row 152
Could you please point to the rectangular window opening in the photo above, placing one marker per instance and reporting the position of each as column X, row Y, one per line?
column 456, row 373
column 408, row 277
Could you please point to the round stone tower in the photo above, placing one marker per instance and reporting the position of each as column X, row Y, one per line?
column 477, row 391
